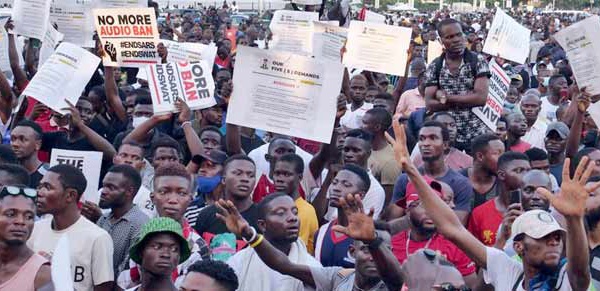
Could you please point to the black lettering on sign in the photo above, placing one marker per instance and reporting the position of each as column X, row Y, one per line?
column 106, row 20
column 73, row 162
column 79, row 270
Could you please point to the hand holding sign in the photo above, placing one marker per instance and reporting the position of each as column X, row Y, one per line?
column 9, row 25
column 75, row 115
column 185, row 114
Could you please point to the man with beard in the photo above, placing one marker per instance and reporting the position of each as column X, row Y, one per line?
column 536, row 127
column 159, row 248
column 20, row 267
column 422, row 234
column 539, row 239
column 278, row 222
column 376, row 266
column 516, row 125
column 26, row 141
column 125, row 219
column 238, row 179
column 91, row 258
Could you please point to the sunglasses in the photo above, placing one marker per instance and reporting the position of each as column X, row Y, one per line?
column 15, row 191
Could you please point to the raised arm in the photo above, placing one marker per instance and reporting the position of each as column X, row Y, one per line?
column 112, row 94
column 320, row 159
column 30, row 55
column 578, row 108
column 361, row 227
column 13, row 57
column 570, row 202
column 271, row 256
column 6, row 96
column 444, row 218
column 97, row 141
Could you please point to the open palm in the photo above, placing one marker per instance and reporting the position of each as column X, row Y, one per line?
column 360, row 225
column 399, row 144
column 570, row 201
column 228, row 213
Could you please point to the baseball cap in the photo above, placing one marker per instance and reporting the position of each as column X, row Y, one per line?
column 535, row 224
column 560, row 127
column 160, row 225
column 215, row 156
column 412, row 194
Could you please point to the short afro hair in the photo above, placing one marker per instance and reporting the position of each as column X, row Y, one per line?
column 15, row 173
column 362, row 174
column 70, row 177
column 222, row 273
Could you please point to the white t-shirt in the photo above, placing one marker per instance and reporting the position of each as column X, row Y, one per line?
column 143, row 201
column 503, row 272
column 548, row 111
column 353, row 119
column 91, row 250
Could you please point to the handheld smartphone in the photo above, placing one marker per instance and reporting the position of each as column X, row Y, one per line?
column 515, row 196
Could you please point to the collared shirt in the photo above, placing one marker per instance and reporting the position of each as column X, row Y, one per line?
column 123, row 233
column 468, row 124
column 409, row 102
column 536, row 134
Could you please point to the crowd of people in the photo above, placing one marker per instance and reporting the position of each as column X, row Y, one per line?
column 413, row 192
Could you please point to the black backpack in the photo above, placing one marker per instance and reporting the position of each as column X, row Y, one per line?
column 469, row 57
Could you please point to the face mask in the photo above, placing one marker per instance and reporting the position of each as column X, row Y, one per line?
column 138, row 120
column 208, row 184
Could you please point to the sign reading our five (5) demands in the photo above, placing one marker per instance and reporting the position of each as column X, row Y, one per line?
column 129, row 36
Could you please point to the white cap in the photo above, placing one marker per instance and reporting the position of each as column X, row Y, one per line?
column 535, row 224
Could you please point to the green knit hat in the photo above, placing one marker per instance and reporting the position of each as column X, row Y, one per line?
column 160, row 225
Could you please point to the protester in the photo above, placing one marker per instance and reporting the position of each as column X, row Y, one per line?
column 125, row 219
column 91, row 259
column 486, row 150
column 22, row 268
column 516, row 128
column 214, row 275
column 158, row 249
column 357, row 106
column 26, row 141
column 279, row 223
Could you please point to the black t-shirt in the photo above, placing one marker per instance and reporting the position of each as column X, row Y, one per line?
column 595, row 265
column 207, row 221
column 36, row 177
column 251, row 143
column 60, row 140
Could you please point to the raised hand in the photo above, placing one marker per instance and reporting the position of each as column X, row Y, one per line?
column 9, row 25
column 341, row 106
column 584, row 99
column 232, row 218
column 75, row 115
column 401, row 153
column 360, row 225
column 512, row 212
column 185, row 114
column 570, row 201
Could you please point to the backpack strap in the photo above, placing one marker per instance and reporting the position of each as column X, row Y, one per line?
column 438, row 62
column 519, row 280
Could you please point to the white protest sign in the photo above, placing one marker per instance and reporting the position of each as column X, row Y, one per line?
column 74, row 20
column 190, row 52
column 4, row 60
column 60, row 269
column 307, row 2
column 88, row 162
column 49, row 43
column 434, row 50
column 581, row 42
column 129, row 36
column 191, row 82
column 63, row 76
column 31, row 17
column 498, row 88
column 292, row 31
column 328, row 41
column 377, row 47
column 285, row 93
column 373, row 17
column 120, row 3
column 534, row 49
column 507, row 39
column 594, row 111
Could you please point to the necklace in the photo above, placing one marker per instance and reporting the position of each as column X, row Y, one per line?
column 408, row 241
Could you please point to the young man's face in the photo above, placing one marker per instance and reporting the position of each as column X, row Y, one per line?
column 160, row 254
column 52, row 197
column 114, row 188
column 196, row 281
column 172, row 195
column 130, row 155
column 285, row 178
column 543, row 254
column 281, row 221
column 239, row 178
column 431, row 143
column 17, row 216
column 24, row 141
column 344, row 183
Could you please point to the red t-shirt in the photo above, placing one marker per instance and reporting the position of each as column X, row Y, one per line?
column 521, row 147
column 265, row 187
column 485, row 221
column 438, row 243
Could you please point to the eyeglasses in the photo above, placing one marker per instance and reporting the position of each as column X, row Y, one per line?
column 450, row 287
column 14, row 191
